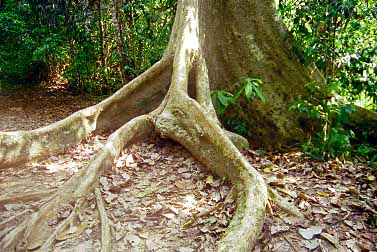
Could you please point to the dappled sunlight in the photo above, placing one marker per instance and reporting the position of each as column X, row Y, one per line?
column 190, row 202
column 190, row 33
column 74, row 158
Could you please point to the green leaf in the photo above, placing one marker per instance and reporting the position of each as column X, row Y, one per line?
column 259, row 92
column 249, row 91
column 371, row 178
column 225, row 98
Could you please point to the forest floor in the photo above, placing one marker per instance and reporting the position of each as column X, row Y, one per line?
column 160, row 199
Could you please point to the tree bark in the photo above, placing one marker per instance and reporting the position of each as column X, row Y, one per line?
column 246, row 38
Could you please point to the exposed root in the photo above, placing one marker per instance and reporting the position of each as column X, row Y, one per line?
column 138, row 97
column 11, row 240
column 284, row 204
column 14, row 218
column 192, row 123
column 39, row 234
column 25, row 197
column 203, row 96
column 105, row 225
column 49, row 242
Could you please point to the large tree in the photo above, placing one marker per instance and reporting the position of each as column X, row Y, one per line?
column 213, row 44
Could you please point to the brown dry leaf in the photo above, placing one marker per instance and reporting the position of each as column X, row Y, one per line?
column 310, row 244
column 328, row 237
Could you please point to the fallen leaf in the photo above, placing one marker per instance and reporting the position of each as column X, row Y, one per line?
column 351, row 244
column 169, row 216
column 309, row 233
column 330, row 239
column 279, row 229
column 72, row 230
column 311, row 245
column 185, row 250
column 212, row 219
column 210, row 180
column 371, row 178
column 282, row 247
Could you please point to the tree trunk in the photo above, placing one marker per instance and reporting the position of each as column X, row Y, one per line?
column 101, row 36
column 248, row 39
column 117, row 21
column 213, row 43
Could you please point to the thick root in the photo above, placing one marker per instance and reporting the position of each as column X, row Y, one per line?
column 49, row 242
column 194, row 125
column 184, row 121
column 7, row 223
column 105, row 224
column 10, row 241
column 25, row 197
column 138, row 97
column 76, row 190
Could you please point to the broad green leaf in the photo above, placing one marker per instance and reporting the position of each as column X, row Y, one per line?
column 225, row 98
column 248, row 91
column 259, row 92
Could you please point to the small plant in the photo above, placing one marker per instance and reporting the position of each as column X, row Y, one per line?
column 368, row 152
column 221, row 100
column 250, row 87
column 332, row 139
column 246, row 87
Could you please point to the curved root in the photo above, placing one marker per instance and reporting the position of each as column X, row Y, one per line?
column 193, row 124
column 39, row 234
column 141, row 95
column 105, row 225
column 10, row 241
column 184, row 121
column 49, row 242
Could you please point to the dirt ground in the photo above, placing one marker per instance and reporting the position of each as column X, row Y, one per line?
column 160, row 199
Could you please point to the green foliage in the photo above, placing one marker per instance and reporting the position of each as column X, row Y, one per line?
column 340, row 38
column 330, row 138
column 16, row 44
column 238, row 126
column 249, row 88
column 368, row 152
column 221, row 100
column 147, row 30
column 76, row 39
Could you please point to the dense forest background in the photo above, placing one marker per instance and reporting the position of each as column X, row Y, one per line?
column 97, row 46
column 89, row 44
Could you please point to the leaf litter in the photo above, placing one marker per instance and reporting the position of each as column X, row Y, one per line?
column 160, row 199
column 337, row 198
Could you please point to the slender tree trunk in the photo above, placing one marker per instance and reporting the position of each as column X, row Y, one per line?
column 117, row 21
column 101, row 37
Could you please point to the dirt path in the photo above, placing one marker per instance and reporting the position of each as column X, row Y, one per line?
column 24, row 109
column 160, row 199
